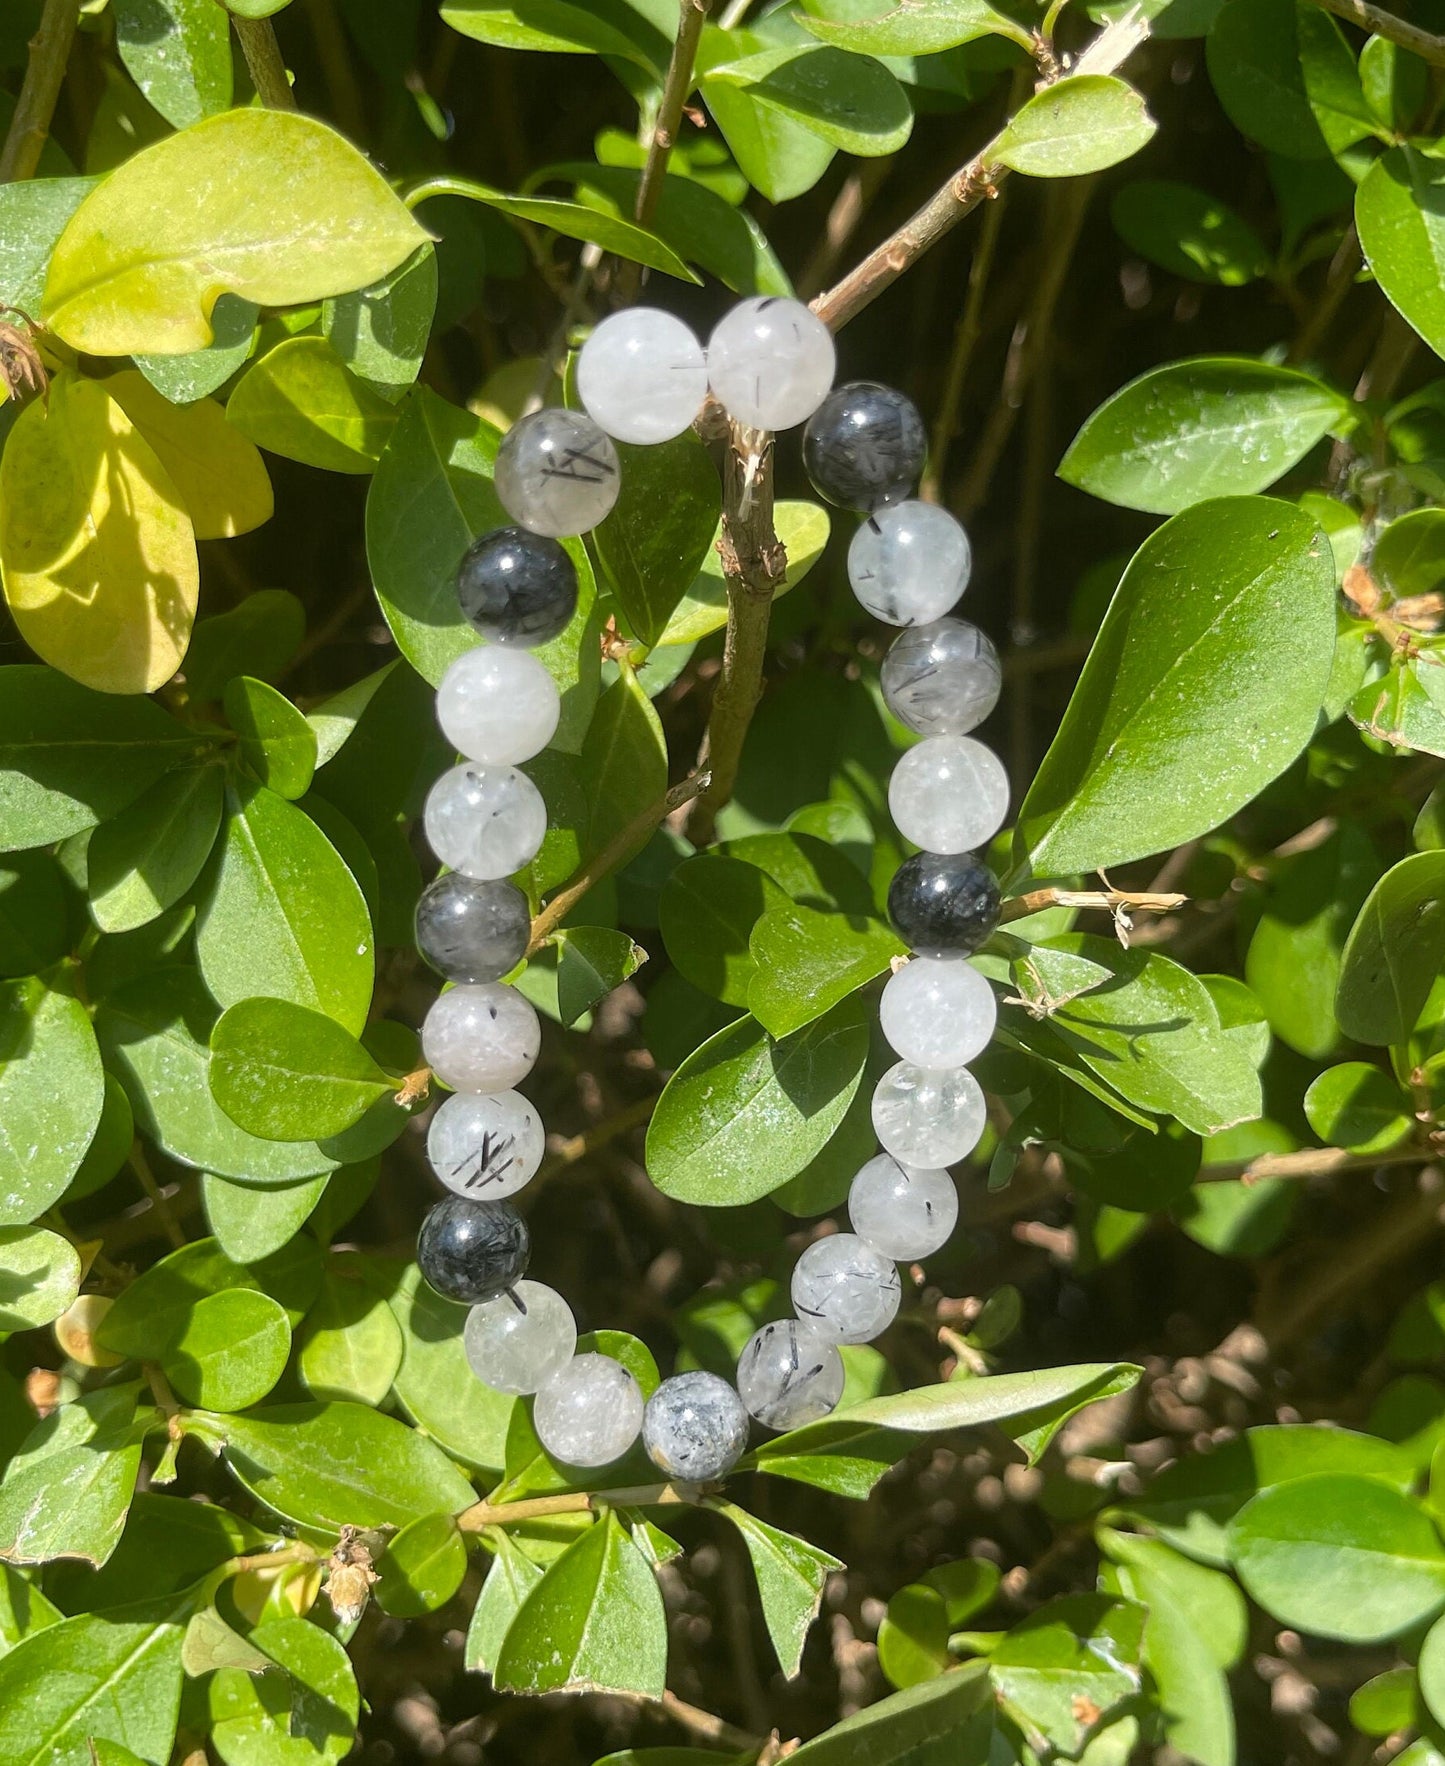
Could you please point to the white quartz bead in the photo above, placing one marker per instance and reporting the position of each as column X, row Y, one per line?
column 949, row 794
column 642, row 375
column 909, row 562
column 845, row 1290
column 789, row 1374
column 589, row 1413
column 557, row 472
column 481, row 1039
column 694, row 1427
column 498, row 704
column 485, row 1144
column 937, row 1012
column 928, row 1116
column 485, row 821
column 942, row 679
column 771, row 362
column 901, row 1211
column 516, row 1342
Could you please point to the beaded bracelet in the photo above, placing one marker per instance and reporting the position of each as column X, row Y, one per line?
column 642, row 377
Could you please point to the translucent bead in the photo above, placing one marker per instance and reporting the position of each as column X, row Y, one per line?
column 516, row 1342
column 642, row 375
column 928, row 1116
column 557, row 472
column 694, row 1427
column 901, row 1211
column 943, row 904
column 949, row 794
column 485, row 1144
column 771, row 361
column 845, row 1290
column 864, row 445
column 485, row 821
column 472, row 931
column 517, row 588
column 483, row 1038
column 942, row 679
column 938, row 1012
column 498, row 705
column 789, row 1374
column 589, row 1413
column 909, row 562
column 472, row 1251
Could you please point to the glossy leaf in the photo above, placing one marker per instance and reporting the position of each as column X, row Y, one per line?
column 574, row 220
column 660, row 530
column 195, row 375
column 913, row 1636
column 276, row 741
column 790, row 1575
column 143, row 860
column 249, row 1224
column 295, row 1718
column 1065, row 1670
column 179, row 53
column 915, row 27
column 34, row 914
column 509, row 1581
column 850, row 101
column 286, row 1073
column 804, row 963
column 1358, row 1107
column 257, row 637
column 592, row 961
column 66, row 1492
column 1402, row 233
column 1188, row 232
column 1084, row 123
column 302, row 401
column 950, row 1718
column 351, row 1346
column 39, row 1276
column 155, row 1310
column 32, row 217
column 381, row 332
column 624, row 763
column 422, row 1567
column 52, row 1091
column 436, row 1385
column 603, row 27
column 231, row 1350
column 1394, row 951
column 706, row 913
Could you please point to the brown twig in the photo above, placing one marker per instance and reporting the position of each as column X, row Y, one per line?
column 141, row 1166
column 692, row 17
column 1386, row 24
column 706, row 1727
column 44, row 76
column 849, row 207
column 257, row 38
column 1310, row 1162
column 1110, row 900
column 570, row 1502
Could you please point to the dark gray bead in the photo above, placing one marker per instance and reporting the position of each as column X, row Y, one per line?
column 517, row 587
column 473, row 1251
column 472, row 931
column 864, row 445
column 943, row 904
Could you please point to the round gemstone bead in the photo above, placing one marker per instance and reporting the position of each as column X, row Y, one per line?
column 483, row 1038
column 642, row 375
column 943, row 904
column 517, row 588
column 928, row 1116
column 942, row 679
column 589, row 1413
column 557, row 472
column 498, row 705
column 472, row 931
column 845, row 1290
column 485, row 821
column 901, row 1211
column 770, row 362
column 473, row 1251
column 864, row 445
column 937, row 1012
column 909, row 562
column 694, row 1427
column 789, row 1374
column 517, row 1341
column 485, row 1144
column 949, row 794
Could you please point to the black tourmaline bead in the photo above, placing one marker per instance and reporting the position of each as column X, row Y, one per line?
column 472, row 931
column 473, row 1251
column 943, row 904
column 517, row 587
column 864, row 445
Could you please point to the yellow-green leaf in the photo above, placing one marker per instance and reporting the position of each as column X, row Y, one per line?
column 302, row 401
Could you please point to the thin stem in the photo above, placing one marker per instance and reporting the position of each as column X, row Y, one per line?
column 1311, row 1162
column 263, row 58
column 1339, row 280
column 570, row 1502
column 1385, row 24
column 297, row 1553
column 1111, row 900
column 578, row 1146
column 709, row 1728
column 44, row 76
column 692, row 16
column 141, row 1166
column 613, row 854
column 734, row 14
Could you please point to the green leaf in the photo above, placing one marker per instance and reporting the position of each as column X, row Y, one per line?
column 1402, row 233
column 1431, row 1671
column 1216, row 426
column 1165, row 735
column 154, row 1313
column 706, row 913
column 422, row 1567
column 805, row 963
column 71, row 757
column 179, row 53
column 232, row 1350
column 1339, row 1556
column 66, row 1491
column 39, row 1277
column 334, row 721
column 143, row 860
column 306, row 1714
column 334, row 1465
column 1358, row 1107
column 601, row 27
column 249, row 1224
column 95, row 1678
column 1395, row 949
column 802, row 529
column 574, row 220
column 743, row 1113
column 949, row 1719
column 1084, row 123
column 168, row 1544
column 1188, row 232
column 1387, row 1702
column 850, row 101
column 1255, row 66
column 1406, row 708
column 288, row 1074
column 276, row 740
column 1218, row 1611
column 284, row 917
column 210, row 1643
column 913, row 1636
column 302, row 401
column 624, row 764
column 34, row 914
column 791, row 1574
column 1409, row 556
column 195, row 375
column 1064, row 1671
column 660, row 530
column 258, row 637
column 916, row 27
column 32, row 217
column 510, row 1580
column 778, row 157
column 143, row 259
column 594, row 1623
column 381, row 332
column 23, row 1609
column 593, row 960
column 351, row 1346
column 52, row 1091
column 436, row 1385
